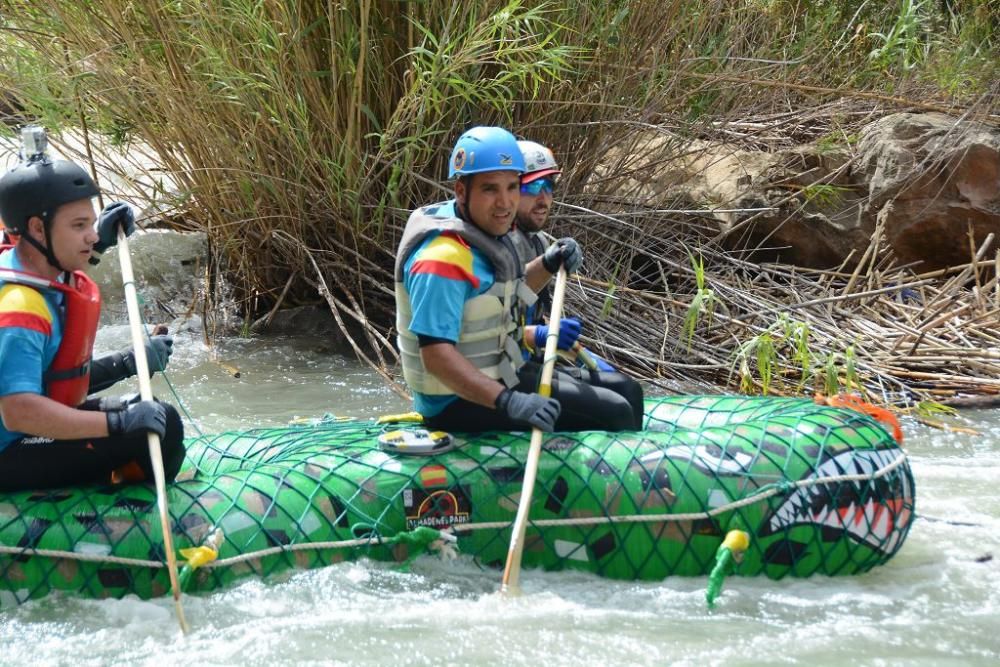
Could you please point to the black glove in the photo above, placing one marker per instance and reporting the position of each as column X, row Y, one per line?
column 530, row 409
column 141, row 417
column 158, row 351
column 114, row 215
column 564, row 252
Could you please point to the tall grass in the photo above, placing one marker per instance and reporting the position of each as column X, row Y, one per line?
column 301, row 131
column 292, row 127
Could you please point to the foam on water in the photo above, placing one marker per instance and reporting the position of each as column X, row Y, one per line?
column 911, row 612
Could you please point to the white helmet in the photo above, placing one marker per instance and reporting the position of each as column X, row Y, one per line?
column 538, row 161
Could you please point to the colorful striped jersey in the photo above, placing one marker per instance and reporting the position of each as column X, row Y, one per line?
column 30, row 333
column 440, row 276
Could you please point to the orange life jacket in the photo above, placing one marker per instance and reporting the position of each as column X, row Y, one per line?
column 68, row 378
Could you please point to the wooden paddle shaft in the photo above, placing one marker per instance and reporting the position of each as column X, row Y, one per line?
column 512, row 571
column 146, row 393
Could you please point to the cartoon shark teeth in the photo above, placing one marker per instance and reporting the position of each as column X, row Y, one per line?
column 820, row 517
column 872, row 511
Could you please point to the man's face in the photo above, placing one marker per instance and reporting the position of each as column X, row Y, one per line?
column 534, row 209
column 72, row 233
column 490, row 199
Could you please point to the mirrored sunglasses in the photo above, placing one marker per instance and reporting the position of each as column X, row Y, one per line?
column 538, row 186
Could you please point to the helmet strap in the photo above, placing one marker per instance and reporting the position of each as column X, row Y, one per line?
column 46, row 249
column 463, row 209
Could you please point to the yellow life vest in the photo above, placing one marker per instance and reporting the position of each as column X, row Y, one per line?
column 490, row 331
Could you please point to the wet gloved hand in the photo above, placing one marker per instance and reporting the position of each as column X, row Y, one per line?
column 529, row 409
column 141, row 417
column 569, row 331
column 115, row 215
column 158, row 351
column 564, row 252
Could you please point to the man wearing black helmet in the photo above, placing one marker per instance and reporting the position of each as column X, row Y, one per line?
column 460, row 295
column 51, row 435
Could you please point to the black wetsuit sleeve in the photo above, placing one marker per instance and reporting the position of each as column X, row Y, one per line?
column 106, row 371
column 424, row 341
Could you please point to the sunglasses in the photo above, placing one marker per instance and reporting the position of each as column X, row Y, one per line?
column 538, row 186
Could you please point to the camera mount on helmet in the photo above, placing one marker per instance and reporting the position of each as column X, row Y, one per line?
column 38, row 185
column 34, row 141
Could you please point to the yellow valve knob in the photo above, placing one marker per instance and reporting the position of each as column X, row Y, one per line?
column 198, row 556
column 737, row 541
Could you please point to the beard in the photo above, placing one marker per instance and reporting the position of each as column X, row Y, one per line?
column 526, row 224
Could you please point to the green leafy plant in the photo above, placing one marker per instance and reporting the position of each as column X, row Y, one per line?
column 767, row 361
column 759, row 360
column 851, row 379
column 823, row 195
column 797, row 333
column 931, row 409
column 831, row 378
column 703, row 303
column 834, row 365
column 906, row 42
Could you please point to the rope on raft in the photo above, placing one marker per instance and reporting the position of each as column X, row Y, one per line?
column 775, row 489
column 418, row 536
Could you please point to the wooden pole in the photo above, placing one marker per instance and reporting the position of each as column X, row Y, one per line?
column 512, row 571
column 155, row 455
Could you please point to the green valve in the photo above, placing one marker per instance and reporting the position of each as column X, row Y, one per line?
column 729, row 554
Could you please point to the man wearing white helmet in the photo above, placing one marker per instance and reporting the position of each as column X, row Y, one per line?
column 461, row 291
column 541, row 174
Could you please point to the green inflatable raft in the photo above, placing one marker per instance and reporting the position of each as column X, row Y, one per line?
column 817, row 489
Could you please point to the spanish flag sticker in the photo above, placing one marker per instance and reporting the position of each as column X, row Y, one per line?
column 433, row 476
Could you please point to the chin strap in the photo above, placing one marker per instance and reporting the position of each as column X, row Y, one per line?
column 460, row 209
column 46, row 250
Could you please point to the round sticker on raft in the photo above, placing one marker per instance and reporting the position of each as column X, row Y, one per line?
column 459, row 160
column 418, row 442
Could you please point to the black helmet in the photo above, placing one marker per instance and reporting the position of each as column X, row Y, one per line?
column 39, row 187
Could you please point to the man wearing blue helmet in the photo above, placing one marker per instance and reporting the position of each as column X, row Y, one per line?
column 541, row 174
column 460, row 296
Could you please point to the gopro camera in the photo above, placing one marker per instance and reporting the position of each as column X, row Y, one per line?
column 34, row 141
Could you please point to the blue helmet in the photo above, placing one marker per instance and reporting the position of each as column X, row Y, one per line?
column 485, row 149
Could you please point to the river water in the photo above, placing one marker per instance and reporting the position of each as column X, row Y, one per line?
column 936, row 603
